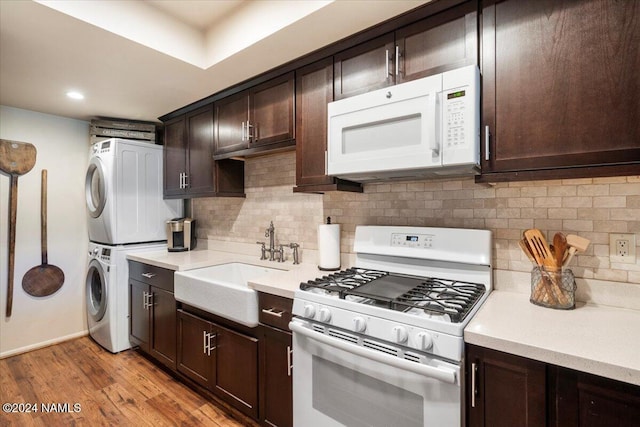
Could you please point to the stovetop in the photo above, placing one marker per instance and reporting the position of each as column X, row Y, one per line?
column 415, row 295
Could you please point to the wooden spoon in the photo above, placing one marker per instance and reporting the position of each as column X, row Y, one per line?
column 16, row 158
column 560, row 247
column 45, row 279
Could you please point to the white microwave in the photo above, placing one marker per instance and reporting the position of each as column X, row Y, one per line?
column 423, row 128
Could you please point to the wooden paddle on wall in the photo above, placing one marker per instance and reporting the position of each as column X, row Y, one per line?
column 16, row 158
column 45, row 279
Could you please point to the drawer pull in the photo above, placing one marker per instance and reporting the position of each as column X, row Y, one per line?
column 148, row 275
column 272, row 312
column 289, row 364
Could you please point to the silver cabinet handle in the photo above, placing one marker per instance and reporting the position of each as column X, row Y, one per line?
column 486, row 142
column 474, row 389
column 249, row 136
column 242, row 139
column 148, row 275
column 397, row 59
column 180, row 185
column 272, row 312
column 186, row 183
column 206, row 342
column 147, row 300
column 289, row 364
column 386, row 61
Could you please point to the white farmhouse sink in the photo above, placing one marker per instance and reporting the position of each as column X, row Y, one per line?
column 222, row 290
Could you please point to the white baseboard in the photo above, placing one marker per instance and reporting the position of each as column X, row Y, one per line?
column 43, row 344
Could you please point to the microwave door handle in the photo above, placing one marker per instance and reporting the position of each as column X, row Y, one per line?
column 437, row 110
column 440, row 374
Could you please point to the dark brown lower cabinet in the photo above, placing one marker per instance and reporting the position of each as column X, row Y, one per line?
column 507, row 390
column 219, row 359
column 152, row 322
column 504, row 390
column 276, row 358
column 277, row 388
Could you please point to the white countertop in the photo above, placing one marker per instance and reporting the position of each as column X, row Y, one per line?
column 283, row 283
column 597, row 339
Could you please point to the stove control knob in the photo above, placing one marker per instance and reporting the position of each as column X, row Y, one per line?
column 399, row 334
column 425, row 342
column 309, row 311
column 324, row 315
column 359, row 324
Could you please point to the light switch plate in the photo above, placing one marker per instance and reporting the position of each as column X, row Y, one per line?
column 622, row 248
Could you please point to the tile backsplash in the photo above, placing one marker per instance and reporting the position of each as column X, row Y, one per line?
column 591, row 207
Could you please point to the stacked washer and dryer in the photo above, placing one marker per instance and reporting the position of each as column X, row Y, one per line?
column 126, row 214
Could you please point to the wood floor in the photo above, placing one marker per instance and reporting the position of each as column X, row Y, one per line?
column 122, row 389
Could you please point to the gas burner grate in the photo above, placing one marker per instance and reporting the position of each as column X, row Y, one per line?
column 341, row 281
column 441, row 296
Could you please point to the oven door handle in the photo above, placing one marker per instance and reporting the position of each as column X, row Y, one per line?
column 441, row 374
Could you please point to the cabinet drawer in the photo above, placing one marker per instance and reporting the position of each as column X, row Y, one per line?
column 151, row 275
column 275, row 310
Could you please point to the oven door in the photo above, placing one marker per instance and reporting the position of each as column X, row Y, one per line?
column 338, row 383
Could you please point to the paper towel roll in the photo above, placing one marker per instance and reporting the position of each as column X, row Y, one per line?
column 329, row 246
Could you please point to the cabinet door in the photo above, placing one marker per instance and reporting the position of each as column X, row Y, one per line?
column 314, row 90
column 272, row 111
column 196, row 348
column 200, row 177
column 236, row 377
column 509, row 390
column 587, row 400
column 231, row 116
column 163, row 327
column 365, row 67
column 175, row 156
column 560, row 85
column 277, row 389
column 439, row 43
column 139, row 321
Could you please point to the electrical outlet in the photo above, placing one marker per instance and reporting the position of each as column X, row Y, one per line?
column 622, row 248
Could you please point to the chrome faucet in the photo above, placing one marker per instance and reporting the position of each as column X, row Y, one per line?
column 270, row 233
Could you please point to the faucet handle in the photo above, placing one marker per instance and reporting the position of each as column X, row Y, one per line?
column 295, row 247
column 263, row 250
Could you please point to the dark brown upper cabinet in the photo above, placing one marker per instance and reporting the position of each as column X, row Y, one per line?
column 259, row 118
column 560, row 89
column 314, row 90
column 441, row 42
column 189, row 168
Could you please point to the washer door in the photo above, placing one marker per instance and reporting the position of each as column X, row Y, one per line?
column 95, row 187
column 96, row 291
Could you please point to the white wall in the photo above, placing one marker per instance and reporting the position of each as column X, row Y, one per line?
column 62, row 146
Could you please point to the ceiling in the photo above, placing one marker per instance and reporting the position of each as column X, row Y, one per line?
column 138, row 60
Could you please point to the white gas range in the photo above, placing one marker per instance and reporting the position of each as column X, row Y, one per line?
column 382, row 343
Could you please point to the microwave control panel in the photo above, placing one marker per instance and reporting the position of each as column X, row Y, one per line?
column 455, row 120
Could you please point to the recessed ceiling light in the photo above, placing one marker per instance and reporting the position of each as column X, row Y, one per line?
column 75, row 95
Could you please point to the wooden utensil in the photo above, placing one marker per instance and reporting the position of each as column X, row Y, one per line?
column 540, row 248
column 560, row 248
column 16, row 158
column 576, row 244
column 45, row 279
column 542, row 253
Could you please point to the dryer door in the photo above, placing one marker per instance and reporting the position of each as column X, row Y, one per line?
column 96, row 291
column 95, row 187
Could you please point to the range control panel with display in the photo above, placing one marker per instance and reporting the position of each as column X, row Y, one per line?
column 412, row 240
